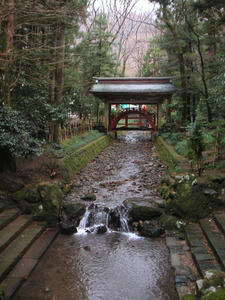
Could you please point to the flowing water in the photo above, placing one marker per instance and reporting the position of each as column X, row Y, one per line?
column 116, row 264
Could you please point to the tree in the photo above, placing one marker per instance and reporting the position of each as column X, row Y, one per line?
column 32, row 51
column 193, row 31
column 95, row 59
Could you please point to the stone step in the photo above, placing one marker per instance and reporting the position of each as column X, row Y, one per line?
column 17, row 248
column 220, row 221
column 8, row 215
column 13, row 229
column 28, row 262
column 215, row 238
column 201, row 253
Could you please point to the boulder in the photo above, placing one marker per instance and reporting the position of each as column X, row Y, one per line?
column 115, row 217
column 151, row 230
column 51, row 197
column 70, row 216
column 140, row 209
column 74, row 211
column 190, row 203
column 101, row 229
column 89, row 197
column 168, row 222
column 29, row 194
column 186, row 198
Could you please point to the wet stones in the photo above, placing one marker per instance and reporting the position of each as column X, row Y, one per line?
column 140, row 209
column 89, row 197
column 70, row 216
column 144, row 216
column 169, row 222
column 98, row 229
column 101, row 229
column 150, row 229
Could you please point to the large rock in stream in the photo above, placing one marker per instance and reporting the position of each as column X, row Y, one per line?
column 140, row 209
column 71, row 216
column 151, row 230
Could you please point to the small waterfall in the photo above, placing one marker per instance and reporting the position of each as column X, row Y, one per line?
column 102, row 219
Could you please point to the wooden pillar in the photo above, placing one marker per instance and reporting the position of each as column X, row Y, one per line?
column 159, row 115
column 106, row 116
column 109, row 117
column 140, row 122
column 126, row 121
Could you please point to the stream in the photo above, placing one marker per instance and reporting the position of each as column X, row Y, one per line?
column 117, row 264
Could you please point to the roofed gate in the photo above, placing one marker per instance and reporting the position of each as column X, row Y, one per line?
column 137, row 91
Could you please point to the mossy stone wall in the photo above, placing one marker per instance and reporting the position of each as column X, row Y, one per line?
column 77, row 160
column 167, row 154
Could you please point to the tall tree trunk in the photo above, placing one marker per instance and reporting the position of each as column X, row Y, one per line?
column 168, row 110
column 59, row 73
column 9, row 33
column 203, row 73
column 180, row 56
column 52, row 83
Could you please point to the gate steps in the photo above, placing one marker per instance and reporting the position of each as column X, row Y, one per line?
column 22, row 244
column 207, row 243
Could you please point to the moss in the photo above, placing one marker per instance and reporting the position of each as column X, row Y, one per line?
column 190, row 202
column 214, row 278
column 218, row 295
column 168, row 221
column 27, row 199
column 74, row 210
column 29, row 194
column 89, row 197
column 52, row 197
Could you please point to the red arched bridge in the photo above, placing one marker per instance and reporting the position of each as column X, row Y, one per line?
column 133, row 119
column 137, row 91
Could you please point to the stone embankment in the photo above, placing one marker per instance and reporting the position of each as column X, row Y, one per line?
column 196, row 205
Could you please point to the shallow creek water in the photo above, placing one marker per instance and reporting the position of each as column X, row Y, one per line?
column 113, row 265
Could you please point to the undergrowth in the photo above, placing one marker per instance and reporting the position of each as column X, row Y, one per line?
column 178, row 141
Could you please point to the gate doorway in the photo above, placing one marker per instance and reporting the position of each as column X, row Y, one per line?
column 139, row 91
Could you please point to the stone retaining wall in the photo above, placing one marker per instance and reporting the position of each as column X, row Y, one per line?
column 168, row 156
column 79, row 158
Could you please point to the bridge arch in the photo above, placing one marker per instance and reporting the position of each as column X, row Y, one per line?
column 142, row 115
